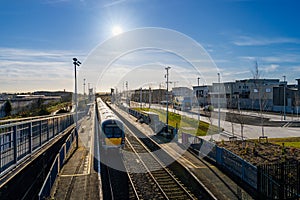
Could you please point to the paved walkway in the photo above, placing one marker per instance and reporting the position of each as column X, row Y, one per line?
column 78, row 179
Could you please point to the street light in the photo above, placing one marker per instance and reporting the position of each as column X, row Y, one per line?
column 84, row 90
column 284, row 115
column 76, row 63
column 197, row 97
column 167, row 119
column 219, row 103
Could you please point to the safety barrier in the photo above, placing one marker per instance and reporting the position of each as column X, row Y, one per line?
column 139, row 115
column 224, row 158
column 56, row 167
column 19, row 140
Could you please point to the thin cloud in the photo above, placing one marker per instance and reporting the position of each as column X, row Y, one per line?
column 251, row 41
column 55, row 1
column 270, row 68
column 114, row 3
column 25, row 69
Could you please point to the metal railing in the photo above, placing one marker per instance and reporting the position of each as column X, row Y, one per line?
column 19, row 140
column 224, row 158
column 56, row 167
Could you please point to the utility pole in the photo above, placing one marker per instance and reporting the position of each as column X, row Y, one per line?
column 126, row 84
column 84, row 93
column 167, row 98
column 84, row 88
column 197, row 97
column 141, row 96
column 149, row 97
column 284, row 114
column 89, row 93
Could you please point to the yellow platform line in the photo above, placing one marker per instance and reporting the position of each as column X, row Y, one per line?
column 72, row 175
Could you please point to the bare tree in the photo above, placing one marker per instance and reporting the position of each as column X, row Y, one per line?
column 297, row 103
column 256, row 73
column 240, row 118
column 261, row 96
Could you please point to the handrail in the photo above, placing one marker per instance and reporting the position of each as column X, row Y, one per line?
column 19, row 140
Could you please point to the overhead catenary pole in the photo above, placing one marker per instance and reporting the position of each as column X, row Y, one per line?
column 76, row 63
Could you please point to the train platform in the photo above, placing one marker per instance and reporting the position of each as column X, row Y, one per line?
column 79, row 177
column 213, row 179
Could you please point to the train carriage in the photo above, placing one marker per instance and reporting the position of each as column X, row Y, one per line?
column 111, row 127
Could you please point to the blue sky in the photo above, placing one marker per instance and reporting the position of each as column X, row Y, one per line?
column 39, row 38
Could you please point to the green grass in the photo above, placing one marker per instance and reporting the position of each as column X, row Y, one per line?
column 185, row 124
column 58, row 106
column 288, row 141
column 289, row 144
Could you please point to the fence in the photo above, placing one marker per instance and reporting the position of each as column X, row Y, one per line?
column 271, row 181
column 279, row 181
column 139, row 115
column 224, row 158
column 20, row 140
column 56, row 167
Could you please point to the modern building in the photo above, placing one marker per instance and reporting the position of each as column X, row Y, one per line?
column 146, row 95
column 202, row 94
column 291, row 94
column 182, row 91
column 251, row 94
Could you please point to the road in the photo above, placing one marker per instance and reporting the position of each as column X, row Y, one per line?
column 250, row 131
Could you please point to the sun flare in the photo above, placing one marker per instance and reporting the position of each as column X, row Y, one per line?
column 116, row 30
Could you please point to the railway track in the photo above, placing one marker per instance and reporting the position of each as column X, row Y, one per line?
column 114, row 179
column 140, row 176
column 149, row 177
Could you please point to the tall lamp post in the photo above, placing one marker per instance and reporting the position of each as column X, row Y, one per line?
column 284, row 114
column 219, row 103
column 197, row 97
column 167, row 98
column 76, row 63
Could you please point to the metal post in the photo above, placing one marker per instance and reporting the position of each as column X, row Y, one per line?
column 30, row 137
column 48, row 130
column 127, row 93
column 149, row 97
column 84, row 88
column 167, row 119
column 219, row 129
column 15, row 143
column 141, row 96
column 40, row 127
column 197, row 96
column 76, row 63
column 284, row 114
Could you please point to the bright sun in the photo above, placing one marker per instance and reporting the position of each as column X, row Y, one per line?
column 116, row 30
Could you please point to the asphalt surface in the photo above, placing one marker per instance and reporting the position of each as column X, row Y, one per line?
column 80, row 175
